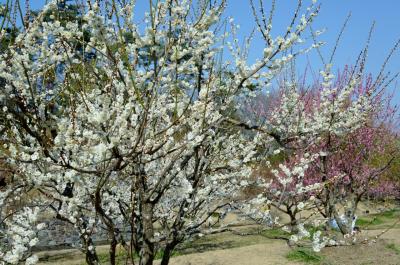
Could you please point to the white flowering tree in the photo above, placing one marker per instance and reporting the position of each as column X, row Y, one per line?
column 112, row 124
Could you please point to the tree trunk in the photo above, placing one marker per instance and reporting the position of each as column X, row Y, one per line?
column 169, row 248
column 147, row 244
column 112, row 250
column 293, row 220
column 91, row 255
column 344, row 225
column 345, row 228
column 91, row 258
column 292, row 215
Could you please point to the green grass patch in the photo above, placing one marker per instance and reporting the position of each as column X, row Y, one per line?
column 388, row 214
column 394, row 247
column 121, row 256
column 275, row 232
column 378, row 218
column 304, row 255
column 369, row 221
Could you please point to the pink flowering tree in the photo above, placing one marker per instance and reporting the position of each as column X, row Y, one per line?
column 349, row 164
column 343, row 166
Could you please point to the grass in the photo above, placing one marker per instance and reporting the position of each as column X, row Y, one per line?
column 305, row 255
column 388, row 214
column 274, row 233
column 121, row 256
column 393, row 247
column 369, row 221
column 378, row 218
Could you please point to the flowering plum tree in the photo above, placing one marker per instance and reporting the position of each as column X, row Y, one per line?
column 111, row 124
column 348, row 166
column 136, row 136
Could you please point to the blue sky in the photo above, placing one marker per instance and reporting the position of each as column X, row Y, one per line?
column 333, row 13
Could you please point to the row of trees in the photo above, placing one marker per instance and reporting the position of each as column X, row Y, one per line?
column 350, row 167
column 109, row 123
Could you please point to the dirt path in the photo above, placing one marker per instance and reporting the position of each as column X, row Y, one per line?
column 262, row 254
column 375, row 252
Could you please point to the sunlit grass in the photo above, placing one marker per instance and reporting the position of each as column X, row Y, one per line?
column 378, row 219
column 369, row 221
column 304, row 255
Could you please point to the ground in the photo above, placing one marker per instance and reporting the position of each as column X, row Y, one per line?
column 247, row 245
